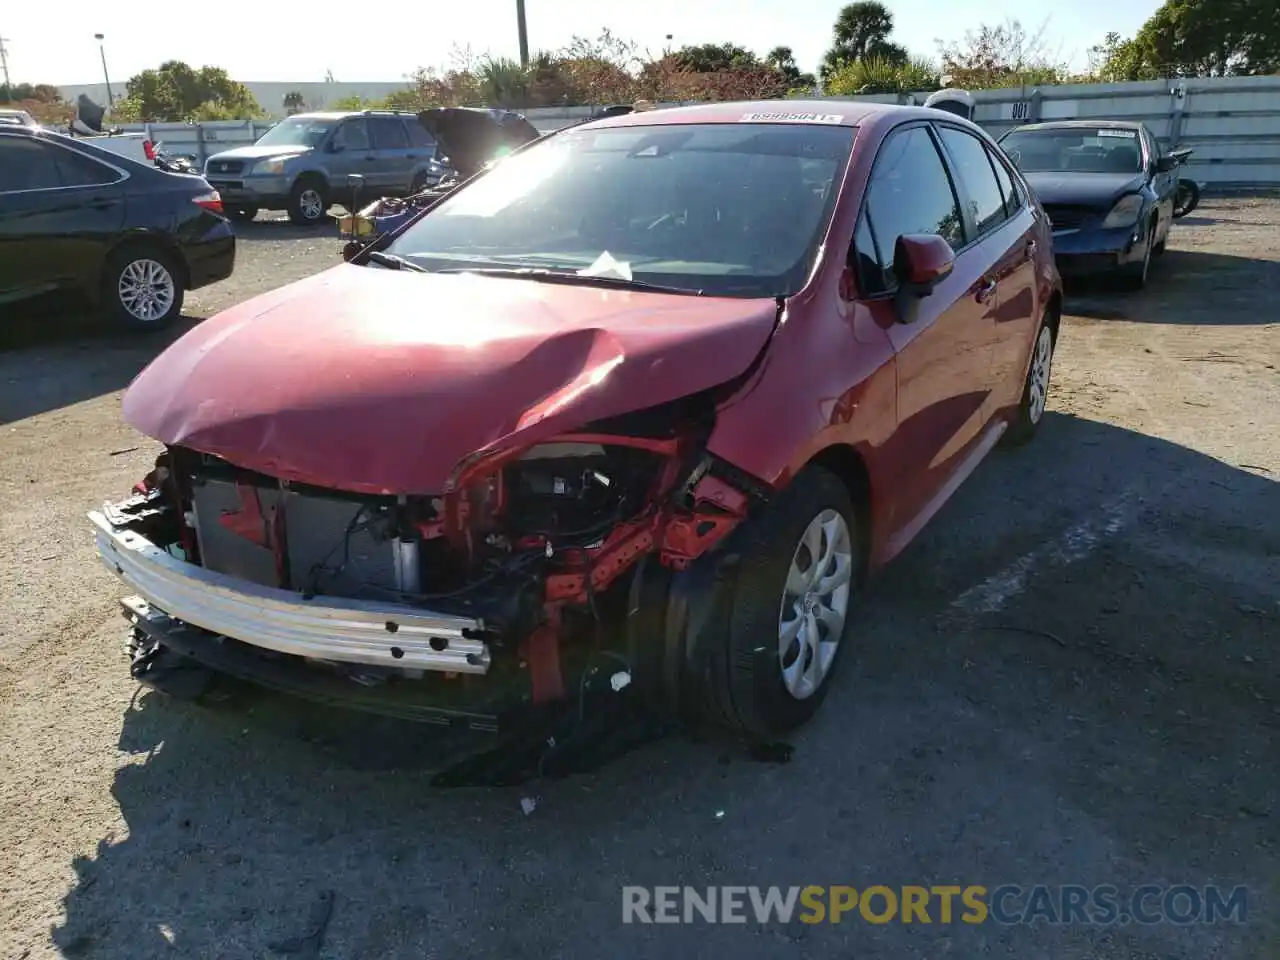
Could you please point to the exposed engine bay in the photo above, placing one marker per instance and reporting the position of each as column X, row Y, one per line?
column 535, row 545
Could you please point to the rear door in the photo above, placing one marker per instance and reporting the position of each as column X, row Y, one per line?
column 60, row 210
column 1001, row 223
column 944, row 357
column 394, row 161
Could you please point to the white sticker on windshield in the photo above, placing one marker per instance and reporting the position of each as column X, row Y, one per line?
column 606, row 266
column 1122, row 134
column 792, row 117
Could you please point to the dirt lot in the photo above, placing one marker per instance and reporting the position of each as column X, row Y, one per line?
column 1070, row 678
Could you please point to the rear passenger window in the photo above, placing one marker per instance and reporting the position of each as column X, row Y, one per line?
column 973, row 166
column 1012, row 197
column 77, row 170
column 910, row 192
column 388, row 133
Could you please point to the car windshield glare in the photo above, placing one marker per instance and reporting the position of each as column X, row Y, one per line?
column 296, row 132
column 736, row 209
column 1086, row 150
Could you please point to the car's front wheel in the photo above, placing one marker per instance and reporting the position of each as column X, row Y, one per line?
column 308, row 202
column 801, row 565
column 142, row 287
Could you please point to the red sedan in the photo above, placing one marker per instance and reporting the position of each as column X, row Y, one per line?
column 636, row 409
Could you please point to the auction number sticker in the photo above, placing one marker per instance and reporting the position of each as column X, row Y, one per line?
column 793, row 117
column 1122, row 134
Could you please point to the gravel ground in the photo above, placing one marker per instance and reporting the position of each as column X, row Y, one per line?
column 1070, row 678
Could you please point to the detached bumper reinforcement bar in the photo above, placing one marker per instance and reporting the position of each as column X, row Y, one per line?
column 323, row 628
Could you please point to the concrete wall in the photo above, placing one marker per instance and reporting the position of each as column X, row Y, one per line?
column 1232, row 123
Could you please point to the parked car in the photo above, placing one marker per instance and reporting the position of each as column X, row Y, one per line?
column 302, row 164
column 468, row 140
column 17, row 117
column 635, row 410
column 76, row 218
column 1107, row 188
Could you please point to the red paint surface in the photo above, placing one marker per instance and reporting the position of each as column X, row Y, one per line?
column 379, row 381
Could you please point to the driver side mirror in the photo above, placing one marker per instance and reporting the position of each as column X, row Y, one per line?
column 920, row 262
column 1165, row 164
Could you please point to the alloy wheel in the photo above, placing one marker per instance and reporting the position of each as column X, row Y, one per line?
column 1038, row 385
column 146, row 290
column 815, row 603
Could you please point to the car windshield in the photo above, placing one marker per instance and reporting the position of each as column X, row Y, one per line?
column 1085, row 150
column 296, row 132
column 723, row 209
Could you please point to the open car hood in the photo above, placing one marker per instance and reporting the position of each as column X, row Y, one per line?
column 381, row 381
column 470, row 136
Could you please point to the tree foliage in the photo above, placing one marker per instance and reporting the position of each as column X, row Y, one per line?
column 175, row 91
column 1195, row 38
column 1005, row 55
column 41, row 100
column 878, row 75
column 861, row 32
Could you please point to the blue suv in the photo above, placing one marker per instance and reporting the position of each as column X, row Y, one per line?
column 303, row 163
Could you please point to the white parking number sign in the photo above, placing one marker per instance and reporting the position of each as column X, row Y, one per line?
column 1020, row 110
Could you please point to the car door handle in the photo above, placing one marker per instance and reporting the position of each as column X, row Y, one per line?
column 369, row 157
column 411, row 156
column 1032, row 247
column 984, row 289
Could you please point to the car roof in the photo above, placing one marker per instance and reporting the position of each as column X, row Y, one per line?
column 842, row 113
column 343, row 114
column 1082, row 124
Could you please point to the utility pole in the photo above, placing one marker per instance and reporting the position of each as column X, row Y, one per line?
column 103, row 51
column 4, row 63
column 523, row 28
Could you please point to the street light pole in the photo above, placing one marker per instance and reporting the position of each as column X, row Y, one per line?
column 4, row 63
column 103, row 51
column 523, row 29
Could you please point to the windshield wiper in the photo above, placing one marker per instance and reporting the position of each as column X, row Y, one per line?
column 576, row 279
column 394, row 262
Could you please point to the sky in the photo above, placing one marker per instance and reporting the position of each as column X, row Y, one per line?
column 280, row 42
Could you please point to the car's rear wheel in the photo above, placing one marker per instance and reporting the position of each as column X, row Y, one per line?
column 791, row 597
column 308, row 202
column 242, row 212
column 1035, row 389
column 142, row 288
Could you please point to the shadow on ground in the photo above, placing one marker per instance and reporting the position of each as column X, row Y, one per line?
column 66, row 358
column 1188, row 287
column 1111, row 719
column 271, row 227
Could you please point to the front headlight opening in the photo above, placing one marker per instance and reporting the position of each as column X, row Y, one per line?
column 271, row 166
column 1125, row 213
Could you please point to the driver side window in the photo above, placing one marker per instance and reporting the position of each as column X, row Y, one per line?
column 352, row 135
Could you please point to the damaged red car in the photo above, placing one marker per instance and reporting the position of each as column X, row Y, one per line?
column 633, row 412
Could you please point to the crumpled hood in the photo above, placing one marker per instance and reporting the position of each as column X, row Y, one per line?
column 381, row 381
column 260, row 152
column 1099, row 190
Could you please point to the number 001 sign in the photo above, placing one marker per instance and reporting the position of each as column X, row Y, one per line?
column 1019, row 110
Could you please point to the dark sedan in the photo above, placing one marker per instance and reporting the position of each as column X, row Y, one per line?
column 1107, row 189
column 77, row 219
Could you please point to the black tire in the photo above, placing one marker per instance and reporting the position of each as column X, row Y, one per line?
column 243, row 213
column 746, row 687
column 142, row 287
column 1134, row 276
column 1187, row 198
column 1026, row 421
column 308, row 201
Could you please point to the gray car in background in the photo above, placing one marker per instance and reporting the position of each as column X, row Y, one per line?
column 303, row 164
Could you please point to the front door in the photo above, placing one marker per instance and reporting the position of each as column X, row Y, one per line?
column 353, row 153
column 59, row 212
column 944, row 355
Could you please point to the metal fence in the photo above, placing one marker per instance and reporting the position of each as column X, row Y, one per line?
column 1232, row 123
